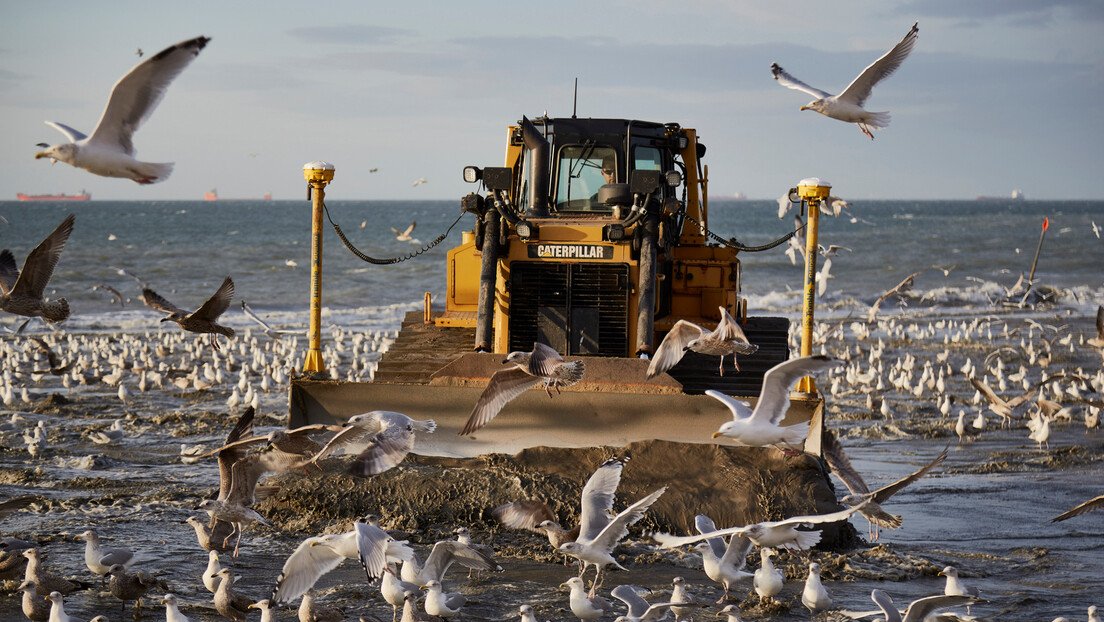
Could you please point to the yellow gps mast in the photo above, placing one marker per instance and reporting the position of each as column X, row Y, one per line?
column 811, row 190
column 318, row 174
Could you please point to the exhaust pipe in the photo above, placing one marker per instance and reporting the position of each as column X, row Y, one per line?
column 539, row 154
column 488, row 275
column 645, row 312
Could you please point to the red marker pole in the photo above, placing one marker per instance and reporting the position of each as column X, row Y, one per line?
column 1031, row 277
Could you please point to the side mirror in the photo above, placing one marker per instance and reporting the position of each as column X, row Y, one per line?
column 615, row 194
column 498, row 177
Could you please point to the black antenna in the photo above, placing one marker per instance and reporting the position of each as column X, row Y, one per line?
column 575, row 103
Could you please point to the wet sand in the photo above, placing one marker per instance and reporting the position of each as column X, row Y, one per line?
column 985, row 511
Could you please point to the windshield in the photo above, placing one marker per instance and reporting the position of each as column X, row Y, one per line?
column 581, row 171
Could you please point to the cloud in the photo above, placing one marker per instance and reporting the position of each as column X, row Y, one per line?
column 358, row 34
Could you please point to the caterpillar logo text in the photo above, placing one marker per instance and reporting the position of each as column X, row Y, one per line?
column 570, row 251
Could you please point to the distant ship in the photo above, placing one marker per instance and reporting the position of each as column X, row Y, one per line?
column 212, row 195
column 1017, row 195
column 83, row 196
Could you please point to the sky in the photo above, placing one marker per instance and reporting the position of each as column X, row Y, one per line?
column 995, row 96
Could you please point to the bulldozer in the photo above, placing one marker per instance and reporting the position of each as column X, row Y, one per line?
column 592, row 238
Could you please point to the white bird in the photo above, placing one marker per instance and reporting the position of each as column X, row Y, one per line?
column 822, row 277
column 529, row 369
column 769, row 534
column 112, row 434
column 679, row 595
column 443, row 554
column 100, row 559
column 394, row 590
column 598, row 533
column 172, row 609
column 814, row 596
column 848, row 105
column 918, row 610
column 768, row 580
column 640, row 610
column 955, row 587
column 760, row 427
column 419, row 181
column 585, row 607
column 318, row 555
column 727, row 338
column 441, row 603
column 404, row 235
column 108, row 151
column 57, row 608
column 1041, row 435
column 724, row 563
column 381, row 439
column 210, row 575
column 272, row 333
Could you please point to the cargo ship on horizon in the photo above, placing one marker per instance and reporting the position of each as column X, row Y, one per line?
column 212, row 195
column 83, row 196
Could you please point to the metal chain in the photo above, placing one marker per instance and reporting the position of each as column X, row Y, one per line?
column 391, row 260
column 732, row 243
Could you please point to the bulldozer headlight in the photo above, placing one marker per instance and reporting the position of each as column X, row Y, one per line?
column 674, row 179
column 526, row 230
column 472, row 174
column 615, row 233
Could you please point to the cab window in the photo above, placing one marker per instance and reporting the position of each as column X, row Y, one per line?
column 581, row 171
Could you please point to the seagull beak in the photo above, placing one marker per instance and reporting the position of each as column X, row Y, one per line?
column 806, row 108
column 716, row 434
column 41, row 154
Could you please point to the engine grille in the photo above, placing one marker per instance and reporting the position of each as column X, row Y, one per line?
column 579, row 309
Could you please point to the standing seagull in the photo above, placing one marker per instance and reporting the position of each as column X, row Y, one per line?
column 109, row 151
column 727, row 338
column 543, row 364
column 21, row 291
column 203, row 319
column 760, row 427
column 848, row 105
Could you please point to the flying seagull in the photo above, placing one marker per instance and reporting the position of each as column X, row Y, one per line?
column 21, row 291
column 268, row 330
column 727, row 338
column 404, row 235
column 848, row 105
column 529, row 369
column 203, row 319
column 108, row 151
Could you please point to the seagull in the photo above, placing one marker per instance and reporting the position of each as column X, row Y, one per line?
column 966, row 432
column 769, row 534
column 203, row 319
column 112, row 434
column 35, row 606
column 318, row 555
column 822, row 277
column 104, row 287
column 1098, row 340
column 918, row 610
column 440, row 603
column 529, row 369
column 954, row 587
column 900, row 288
column 1092, row 504
column 768, row 580
column 848, row 105
column 404, row 235
column 535, row 516
column 640, row 610
column 393, row 589
column 814, row 596
column 760, row 427
column 419, row 182
column 108, row 151
column 583, row 606
column 310, row 610
column 831, row 251
column 727, row 338
column 794, row 248
column 999, row 405
column 599, row 533
column 228, row 601
column 125, row 586
column 100, row 560
column 125, row 272
column 172, row 609
column 381, row 439
column 444, row 554
column 268, row 330
column 21, row 290
column 722, row 563
column 861, row 494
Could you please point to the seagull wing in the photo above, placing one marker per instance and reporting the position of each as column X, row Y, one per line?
column 312, row 559
column 671, row 349
column 446, row 552
column 597, row 499
column 774, row 398
column 154, row 300
column 544, row 360
column 919, row 610
column 40, row 263
column 841, row 465
column 9, row 272
column 384, row 451
column 349, row 437
column 523, row 514
column 70, row 133
column 791, row 82
column 885, row 492
column 628, row 595
column 669, row 541
column 218, row 303
column 409, row 229
column 136, row 95
column 885, row 603
column 253, row 316
column 619, row 527
column 859, row 90
column 372, row 549
column 815, row 518
column 1088, row 506
column 729, row 330
column 704, row 524
column 739, row 408
column 993, row 398
column 736, row 553
column 505, row 385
